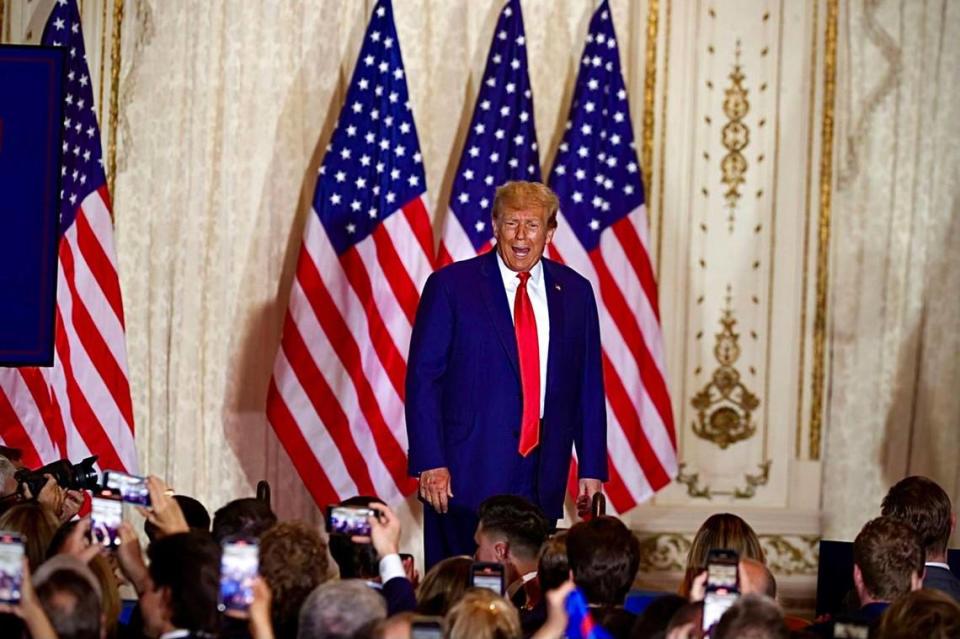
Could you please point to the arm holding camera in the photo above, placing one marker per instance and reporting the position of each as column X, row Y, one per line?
column 130, row 559
column 385, row 537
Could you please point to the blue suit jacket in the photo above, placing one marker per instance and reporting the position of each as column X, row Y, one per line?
column 463, row 394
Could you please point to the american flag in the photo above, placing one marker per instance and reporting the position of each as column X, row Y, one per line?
column 81, row 405
column 501, row 144
column 337, row 392
column 603, row 235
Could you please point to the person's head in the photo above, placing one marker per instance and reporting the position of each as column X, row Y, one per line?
column 193, row 511
column 688, row 613
column 397, row 626
column 604, row 557
column 443, row 585
column 926, row 613
column 510, row 531
column 293, row 561
column 185, row 576
column 340, row 610
column 36, row 524
column 8, row 483
column 887, row 560
column 752, row 617
column 71, row 603
column 723, row 530
column 553, row 568
column 524, row 220
column 355, row 561
column 481, row 614
column 110, row 601
column 247, row 517
column 756, row 578
column 923, row 504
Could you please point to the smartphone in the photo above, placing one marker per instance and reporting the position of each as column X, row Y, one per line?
column 11, row 567
column 349, row 520
column 131, row 488
column 485, row 574
column 239, row 566
column 723, row 585
column 407, row 560
column 426, row 628
column 850, row 630
column 105, row 519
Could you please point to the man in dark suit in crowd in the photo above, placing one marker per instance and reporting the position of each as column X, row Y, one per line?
column 503, row 377
column 923, row 504
column 887, row 564
column 511, row 532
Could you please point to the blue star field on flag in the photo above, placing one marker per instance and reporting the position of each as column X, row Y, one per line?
column 81, row 168
column 596, row 174
column 502, row 141
column 372, row 166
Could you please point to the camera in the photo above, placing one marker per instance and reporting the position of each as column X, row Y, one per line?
column 81, row 476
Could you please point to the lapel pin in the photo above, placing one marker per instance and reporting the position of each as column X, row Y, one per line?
column 557, row 286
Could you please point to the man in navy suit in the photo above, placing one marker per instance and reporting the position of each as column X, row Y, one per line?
column 924, row 505
column 503, row 377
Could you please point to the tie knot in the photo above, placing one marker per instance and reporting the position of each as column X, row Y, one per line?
column 524, row 276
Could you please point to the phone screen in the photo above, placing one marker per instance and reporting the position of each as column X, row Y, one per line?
column 350, row 520
column 239, row 565
column 489, row 576
column 132, row 489
column 11, row 567
column 105, row 519
column 722, row 587
column 426, row 629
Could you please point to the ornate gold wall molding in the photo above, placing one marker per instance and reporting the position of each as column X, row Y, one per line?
column 725, row 405
column 823, row 239
column 649, row 93
column 735, row 136
column 114, row 94
column 786, row 555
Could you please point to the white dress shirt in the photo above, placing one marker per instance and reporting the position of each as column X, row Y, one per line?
column 537, row 291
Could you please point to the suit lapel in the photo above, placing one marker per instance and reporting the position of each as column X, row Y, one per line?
column 495, row 299
column 555, row 308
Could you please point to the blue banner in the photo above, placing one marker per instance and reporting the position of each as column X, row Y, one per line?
column 31, row 123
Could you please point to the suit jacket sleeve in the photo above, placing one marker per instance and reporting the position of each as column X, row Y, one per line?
column 399, row 596
column 591, row 436
column 426, row 365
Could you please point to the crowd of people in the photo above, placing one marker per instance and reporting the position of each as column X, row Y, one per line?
column 311, row 585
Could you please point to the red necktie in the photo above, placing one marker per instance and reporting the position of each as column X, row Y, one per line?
column 525, row 325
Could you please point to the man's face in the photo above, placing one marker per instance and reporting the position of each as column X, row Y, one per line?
column 489, row 547
column 156, row 614
column 521, row 237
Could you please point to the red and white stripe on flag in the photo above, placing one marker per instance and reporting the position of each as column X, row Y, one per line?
column 337, row 393
column 81, row 405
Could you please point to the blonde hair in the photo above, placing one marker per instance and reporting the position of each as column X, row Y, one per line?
column 481, row 614
column 722, row 530
column 921, row 613
column 516, row 195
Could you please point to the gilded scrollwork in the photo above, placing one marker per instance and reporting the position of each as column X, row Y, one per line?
column 736, row 136
column 785, row 555
column 725, row 405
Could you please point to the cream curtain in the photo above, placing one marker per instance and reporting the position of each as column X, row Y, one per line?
column 894, row 352
column 225, row 109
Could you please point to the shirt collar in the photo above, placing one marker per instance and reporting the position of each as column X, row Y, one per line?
column 938, row 564
column 175, row 634
column 510, row 279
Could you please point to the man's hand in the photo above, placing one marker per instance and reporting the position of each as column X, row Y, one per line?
column 435, row 488
column 130, row 559
column 51, row 496
column 72, row 502
column 77, row 543
column 588, row 488
column 164, row 511
column 384, row 531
